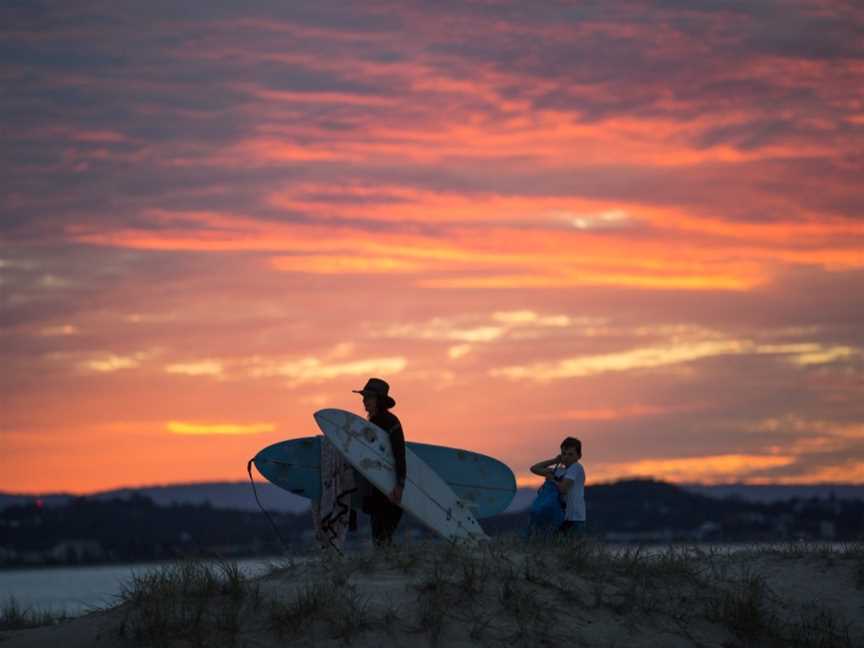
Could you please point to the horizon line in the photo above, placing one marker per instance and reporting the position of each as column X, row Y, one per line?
column 518, row 487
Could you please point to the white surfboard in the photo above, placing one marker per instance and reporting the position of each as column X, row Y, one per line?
column 426, row 495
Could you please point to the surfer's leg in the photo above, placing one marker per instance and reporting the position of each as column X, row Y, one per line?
column 374, row 505
column 379, row 536
column 385, row 519
column 394, row 515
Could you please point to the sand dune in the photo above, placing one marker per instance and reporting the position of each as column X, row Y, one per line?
column 505, row 592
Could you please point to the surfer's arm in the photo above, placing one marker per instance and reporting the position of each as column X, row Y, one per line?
column 397, row 442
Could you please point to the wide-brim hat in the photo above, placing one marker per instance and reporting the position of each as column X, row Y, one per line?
column 379, row 388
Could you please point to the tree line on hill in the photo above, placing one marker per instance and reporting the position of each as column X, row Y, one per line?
column 87, row 530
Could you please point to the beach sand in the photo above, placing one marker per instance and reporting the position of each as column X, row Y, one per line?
column 504, row 592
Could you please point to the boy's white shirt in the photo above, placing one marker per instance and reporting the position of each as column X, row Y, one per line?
column 575, row 497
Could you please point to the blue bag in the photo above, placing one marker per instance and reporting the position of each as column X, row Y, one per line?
column 546, row 513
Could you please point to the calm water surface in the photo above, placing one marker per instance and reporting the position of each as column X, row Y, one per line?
column 76, row 590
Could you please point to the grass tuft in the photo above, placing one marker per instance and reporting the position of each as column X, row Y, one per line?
column 350, row 616
column 819, row 627
column 289, row 618
column 525, row 610
column 390, row 618
column 191, row 601
column 744, row 608
column 14, row 616
column 435, row 597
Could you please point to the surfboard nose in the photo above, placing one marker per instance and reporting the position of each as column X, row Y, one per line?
column 319, row 418
column 326, row 416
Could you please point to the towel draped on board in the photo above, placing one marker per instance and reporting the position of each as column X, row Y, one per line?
column 331, row 515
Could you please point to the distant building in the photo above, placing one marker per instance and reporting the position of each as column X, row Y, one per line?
column 75, row 551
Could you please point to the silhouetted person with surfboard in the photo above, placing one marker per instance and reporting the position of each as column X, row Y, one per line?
column 384, row 509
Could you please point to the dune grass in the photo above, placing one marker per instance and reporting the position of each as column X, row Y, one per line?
column 15, row 616
column 193, row 602
column 508, row 591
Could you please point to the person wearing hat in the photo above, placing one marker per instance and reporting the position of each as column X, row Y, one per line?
column 384, row 509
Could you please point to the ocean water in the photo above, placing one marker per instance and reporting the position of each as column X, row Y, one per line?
column 76, row 590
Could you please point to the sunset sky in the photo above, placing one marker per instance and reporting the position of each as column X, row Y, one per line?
column 638, row 223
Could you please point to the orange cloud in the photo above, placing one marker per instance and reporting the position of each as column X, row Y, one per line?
column 677, row 352
column 314, row 370
column 706, row 470
column 108, row 363
column 613, row 413
column 197, row 368
column 555, row 258
column 218, row 429
column 345, row 264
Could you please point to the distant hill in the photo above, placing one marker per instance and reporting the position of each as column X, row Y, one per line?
column 130, row 525
column 223, row 495
column 769, row 493
column 239, row 496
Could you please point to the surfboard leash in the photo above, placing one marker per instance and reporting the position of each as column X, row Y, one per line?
column 263, row 510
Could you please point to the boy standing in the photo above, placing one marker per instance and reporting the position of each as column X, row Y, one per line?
column 569, row 478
